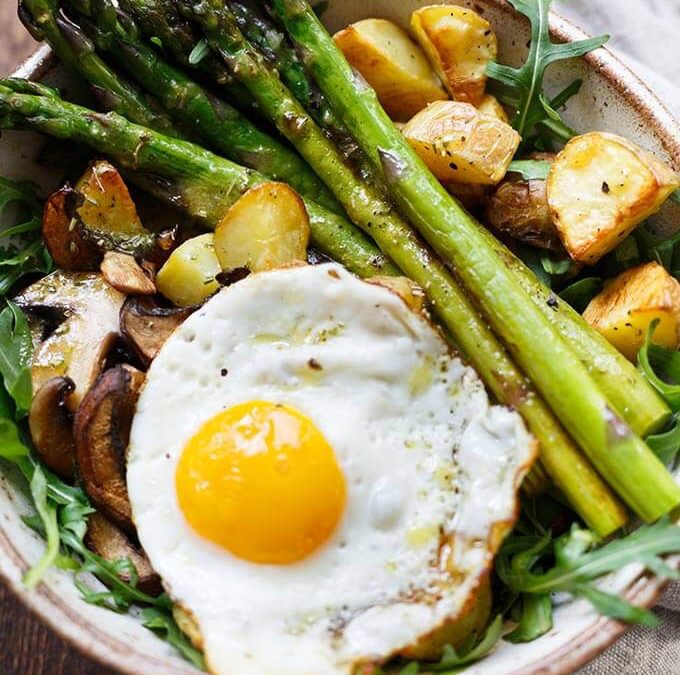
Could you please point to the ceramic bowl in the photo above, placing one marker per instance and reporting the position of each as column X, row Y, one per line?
column 613, row 99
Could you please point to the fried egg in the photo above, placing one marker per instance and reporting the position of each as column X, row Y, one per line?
column 317, row 479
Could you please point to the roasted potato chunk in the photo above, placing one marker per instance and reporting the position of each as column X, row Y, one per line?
column 81, row 224
column 393, row 64
column 625, row 308
column 599, row 188
column 470, row 195
column 85, row 310
column 490, row 105
column 460, row 44
column 188, row 276
column 460, row 144
column 520, row 209
column 267, row 228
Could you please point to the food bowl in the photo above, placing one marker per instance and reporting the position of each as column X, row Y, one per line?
column 611, row 99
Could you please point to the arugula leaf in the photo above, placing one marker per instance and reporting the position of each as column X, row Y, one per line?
column 161, row 622
column 576, row 566
column 661, row 367
column 675, row 196
column 453, row 661
column 25, row 253
column 534, row 618
column 16, row 350
column 530, row 169
column 666, row 444
column 524, row 85
column 581, row 292
column 199, row 52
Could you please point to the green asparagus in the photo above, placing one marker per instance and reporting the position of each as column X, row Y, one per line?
column 194, row 179
column 621, row 457
column 44, row 21
column 369, row 210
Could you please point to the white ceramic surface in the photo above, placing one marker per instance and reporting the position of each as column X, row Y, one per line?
column 611, row 99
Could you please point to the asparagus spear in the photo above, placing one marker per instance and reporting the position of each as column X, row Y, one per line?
column 44, row 21
column 240, row 139
column 621, row 457
column 196, row 180
column 274, row 46
column 369, row 210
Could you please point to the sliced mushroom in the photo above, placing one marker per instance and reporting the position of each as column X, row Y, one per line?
column 86, row 310
column 51, row 426
column 111, row 543
column 147, row 325
column 125, row 274
column 101, row 432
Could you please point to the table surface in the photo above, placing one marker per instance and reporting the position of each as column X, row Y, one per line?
column 26, row 646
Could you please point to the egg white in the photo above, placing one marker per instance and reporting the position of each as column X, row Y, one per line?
column 423, row 453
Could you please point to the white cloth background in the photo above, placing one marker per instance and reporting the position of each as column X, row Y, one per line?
column 646, row 35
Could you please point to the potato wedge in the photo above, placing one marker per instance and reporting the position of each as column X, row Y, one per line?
column 461, row 144
column 267, row 228
column 460, row 44
column 188, row 276
column 393, row 64
column 490, row 105
column 601, row 187
column 519, row 208
column 470, row 195
column 85, row 310
column 626, row 307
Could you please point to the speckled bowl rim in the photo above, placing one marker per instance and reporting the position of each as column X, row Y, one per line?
column 644, row 591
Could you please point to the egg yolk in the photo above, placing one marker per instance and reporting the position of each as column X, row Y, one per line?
column 260, row 480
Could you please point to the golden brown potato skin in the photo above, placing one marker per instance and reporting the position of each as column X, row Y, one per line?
column 625, row 308
column 600, row 187
column 519, row 208
column 393, row 64
column 460, row 44
column 458, row 143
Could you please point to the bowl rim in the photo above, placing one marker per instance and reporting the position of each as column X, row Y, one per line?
column 644, row 590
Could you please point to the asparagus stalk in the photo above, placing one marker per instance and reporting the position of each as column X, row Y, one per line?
column 369, row 210
column 239, row 139
column 44, row 21
column 275, row 48
column 194, row 179
column 621, row 457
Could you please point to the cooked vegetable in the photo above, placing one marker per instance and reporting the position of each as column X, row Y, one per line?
column 146, row 325
column 471, row 195
column 490, row 105
column 101, row 431
column 519, row 208
column 220, row 125
column 599, row 188
column 86, row 310
column 51, row 426
column 202, row 184
column 534, row 111
column 460, row 44
column 124, row 273
column 188, row 277
column 458, row 143
column 44, row 21
column 412, row 294
column 267, row 228
column 377, row 217
column 112, row 544
column 393, row 64
column 80, row 224
column 621, row 457
column 628, row 305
